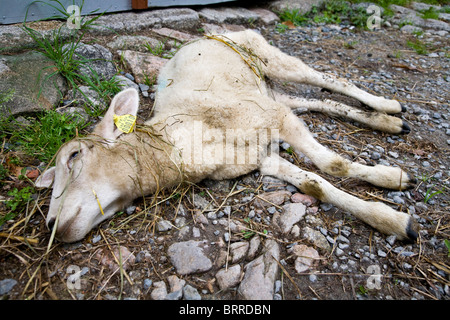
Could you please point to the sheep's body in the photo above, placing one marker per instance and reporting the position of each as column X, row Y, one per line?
column 214, row 117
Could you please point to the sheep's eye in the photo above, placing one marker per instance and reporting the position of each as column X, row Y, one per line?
column 72, row 156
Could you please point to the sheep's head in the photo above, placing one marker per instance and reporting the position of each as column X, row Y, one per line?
column 88, row 179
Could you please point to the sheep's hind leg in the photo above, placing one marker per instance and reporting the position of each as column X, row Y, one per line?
column 374, row 120
column 294, row 132
column 278, row 65
column 376, row 214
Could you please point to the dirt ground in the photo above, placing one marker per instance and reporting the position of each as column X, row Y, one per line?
column 422, row 272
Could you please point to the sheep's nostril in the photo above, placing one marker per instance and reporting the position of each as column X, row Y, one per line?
column 51, row 223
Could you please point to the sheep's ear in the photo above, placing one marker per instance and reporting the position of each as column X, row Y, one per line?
column 45, row 180
column 120, row 115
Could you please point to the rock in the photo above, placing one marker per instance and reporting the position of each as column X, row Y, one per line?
column 190, row 293
column 307, row 200
column 176, row 288
column 410, row 29
column 304, row 6
column 316, row 238
column 266, row 16
column 238, row 250
column 419, row 6
column 163, row 225
column 76, row 113
column 228, row 15
column 125, row 83
column 201, row 203
column 199, row 217
column 292, row 214
column 147, row 284
column 6, row 285
column 229, row 278
column 406, row 15
column 142, row 64
column 254, row 247
column 268, row 199
column 87, row 95
column 175, row 34
column 136, row 43
column 189, row 257
column 177, row 18
column 260, row 274
column 20, row 73
column 97, row 60
column 273, row 184
column 234, row 226
column 160, row 291
column 306, row 257
column 326, row 206
column 121, row 254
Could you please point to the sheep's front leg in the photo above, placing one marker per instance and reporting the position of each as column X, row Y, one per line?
column 376, row 214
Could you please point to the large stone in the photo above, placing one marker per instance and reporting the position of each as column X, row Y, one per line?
column 175, row 34
column 406, row 15
column 96, row 59
column 303, row 6
column 268, row 199
column 228, row 15
column 160, row 291
column 316, row 238
column 112, row 258
column 306, row 257
column 229, row 278
column 143, row 64
column 292, row 214
column 137, row 43
column 6, row 285
column 260, row 274
column 177, row 18
column 189, row 257
column 14, row 38
column 266, row 16
column 27, row 75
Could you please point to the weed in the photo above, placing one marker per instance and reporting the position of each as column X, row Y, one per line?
column 363, row 291
column 41, row 138
column 6, row 96
column 418, row 46
column 431, row 13
column 429, row 194
column 150, row 80
column 281, row 28
column 3, row 173
column 20, row 199
column 295, row 16
column 447, row 244
column 156, row 51
column 331, row 12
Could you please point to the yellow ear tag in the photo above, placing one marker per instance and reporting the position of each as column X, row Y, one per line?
column 125, row 123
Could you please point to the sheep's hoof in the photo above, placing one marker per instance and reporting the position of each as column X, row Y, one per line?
column 412, row 230
column 405, row 128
